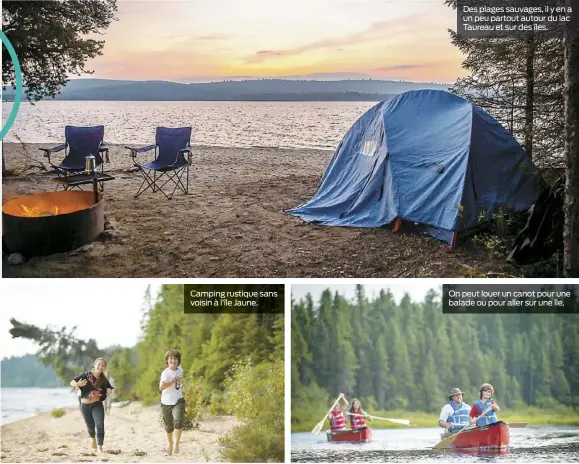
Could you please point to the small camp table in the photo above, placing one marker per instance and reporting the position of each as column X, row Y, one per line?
column 70, row 182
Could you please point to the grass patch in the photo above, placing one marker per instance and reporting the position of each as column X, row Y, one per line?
column 56, row 413
column 536, row 416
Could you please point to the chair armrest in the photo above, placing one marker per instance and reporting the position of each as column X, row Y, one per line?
column 104, row 149
column 48, row 151
column 142, row 149
column 134, row 151
column 188, row 149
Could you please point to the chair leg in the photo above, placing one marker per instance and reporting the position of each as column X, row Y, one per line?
column 176, row 178
column 183, row 188
column 154, row 182
column 146, row 180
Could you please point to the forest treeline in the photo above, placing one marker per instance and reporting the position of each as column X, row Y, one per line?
column 408, row 355
column 28, row 371
column 249, row 90
column 233, row 364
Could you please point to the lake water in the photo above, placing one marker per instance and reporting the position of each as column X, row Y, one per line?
column 232, row 124
column 20, row 403
column 531, row 444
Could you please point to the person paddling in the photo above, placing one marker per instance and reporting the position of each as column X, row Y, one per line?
column 356, row 413
column 337, row 419
column 94, row 387
column 454, row 416
column 485, row 402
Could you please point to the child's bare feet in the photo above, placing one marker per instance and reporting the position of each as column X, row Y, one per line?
column 176, row 449
column 93, row 445
column 170, row 449
column 100, row 449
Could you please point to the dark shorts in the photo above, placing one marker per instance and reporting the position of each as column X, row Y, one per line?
column 173, row 415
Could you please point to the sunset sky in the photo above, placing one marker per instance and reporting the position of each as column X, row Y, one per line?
column 192, row 40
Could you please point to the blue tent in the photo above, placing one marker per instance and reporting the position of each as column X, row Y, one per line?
column 427, row 157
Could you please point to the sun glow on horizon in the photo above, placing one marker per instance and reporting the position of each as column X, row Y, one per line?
column 220, row 39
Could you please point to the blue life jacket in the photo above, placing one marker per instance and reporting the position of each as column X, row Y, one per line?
column 459, row 417
column 490, row 417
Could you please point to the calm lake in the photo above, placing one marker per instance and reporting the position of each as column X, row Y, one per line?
column 20, row 403
column 233, row 124
column 531, row 444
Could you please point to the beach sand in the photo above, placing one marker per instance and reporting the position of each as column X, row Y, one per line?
column 232, row 224
column 131, row 429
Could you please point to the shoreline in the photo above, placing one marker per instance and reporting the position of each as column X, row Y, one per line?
column 233, row 224
column 18, row 154
column 134, row 430
column 425, row 420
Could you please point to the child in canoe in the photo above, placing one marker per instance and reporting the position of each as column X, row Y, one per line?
column 485, row 402
column 337, row 419
column 357, row 415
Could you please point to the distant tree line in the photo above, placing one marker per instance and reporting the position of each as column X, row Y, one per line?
column 408, row 355
column 28, row 371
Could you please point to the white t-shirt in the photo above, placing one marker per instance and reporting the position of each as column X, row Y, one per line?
column 447, row 411
column 174, row 393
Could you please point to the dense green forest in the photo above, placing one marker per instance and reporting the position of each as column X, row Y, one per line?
column 408, row 355
column 233, row 364
column 28, row 371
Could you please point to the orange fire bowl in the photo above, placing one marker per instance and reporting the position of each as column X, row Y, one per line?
column 51, row 222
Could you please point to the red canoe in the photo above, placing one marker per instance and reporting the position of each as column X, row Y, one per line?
column 493, row 436
column 361, row 435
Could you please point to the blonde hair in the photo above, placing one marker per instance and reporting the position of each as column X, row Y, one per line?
column 102, row 378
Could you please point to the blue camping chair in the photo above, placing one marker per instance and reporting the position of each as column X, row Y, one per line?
column 169, row 164
column 80, row 142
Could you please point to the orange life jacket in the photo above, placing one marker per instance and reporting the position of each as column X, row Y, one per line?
column 337, row 420
column 357, row 422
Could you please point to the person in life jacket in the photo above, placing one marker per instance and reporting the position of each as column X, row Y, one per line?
column 485, row 402
column 337, row 419
column 454, row 415
column 355, row 415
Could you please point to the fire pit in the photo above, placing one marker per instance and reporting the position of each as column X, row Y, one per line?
column 51, row 222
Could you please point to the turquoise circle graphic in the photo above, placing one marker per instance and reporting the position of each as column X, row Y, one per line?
column 18, row 94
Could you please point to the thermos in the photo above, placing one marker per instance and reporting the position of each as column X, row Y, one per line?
column 89, row 165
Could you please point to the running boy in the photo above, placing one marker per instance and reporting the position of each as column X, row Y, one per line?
column 172, row 401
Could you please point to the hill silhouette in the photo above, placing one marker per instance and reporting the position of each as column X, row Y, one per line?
column 247, row 90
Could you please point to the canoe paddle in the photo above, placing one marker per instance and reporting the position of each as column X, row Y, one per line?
column 318, row 428
column 517, row 425
column 396, row 421
column 448, row 441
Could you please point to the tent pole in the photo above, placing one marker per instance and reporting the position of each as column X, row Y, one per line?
column 453, row 241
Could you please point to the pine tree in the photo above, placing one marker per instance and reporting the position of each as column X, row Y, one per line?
column 429, row 391
column 560, row 386
column 571, row 228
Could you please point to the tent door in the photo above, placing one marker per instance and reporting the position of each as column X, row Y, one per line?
column 364, row 187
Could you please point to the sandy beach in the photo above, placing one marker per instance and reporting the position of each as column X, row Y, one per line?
column 134, row 430
column 232, row 224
